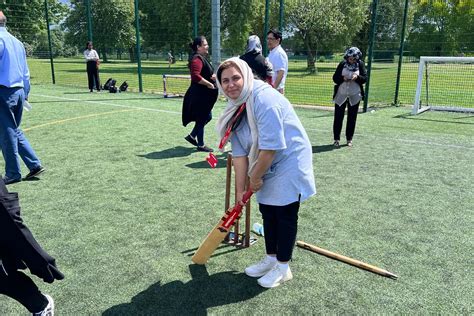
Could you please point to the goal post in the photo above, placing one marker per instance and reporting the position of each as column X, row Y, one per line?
column 175, row 85
column 448, row 84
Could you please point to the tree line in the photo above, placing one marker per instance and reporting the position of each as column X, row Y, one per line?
column 311, row 27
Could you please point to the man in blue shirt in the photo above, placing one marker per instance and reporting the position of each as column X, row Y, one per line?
column 14, row 90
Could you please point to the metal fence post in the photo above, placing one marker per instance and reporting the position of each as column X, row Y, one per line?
column 371, row 48
column 46, row 9
column 216, row 32
column 195, row 18
column 400, row 53
column 282, row 7
column 89, row 20
column 139, row 58
column 265, row 27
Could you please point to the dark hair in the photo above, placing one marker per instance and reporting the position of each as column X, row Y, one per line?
column 276, row 33
column 197, row 42
column 87, row 44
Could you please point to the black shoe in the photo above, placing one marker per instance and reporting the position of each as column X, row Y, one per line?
column 205, row 149
column 336, row 144
column 35, row 172
column 8, row 180
column 191, row 140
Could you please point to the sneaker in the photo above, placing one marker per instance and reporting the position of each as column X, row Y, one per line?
column 35, row 172
column 336, row 143
column 205, row 149
column 49, row 309
column 8, row 180
column 191, row 140
column 261, row 268
column 349, row 143
column 275, row 277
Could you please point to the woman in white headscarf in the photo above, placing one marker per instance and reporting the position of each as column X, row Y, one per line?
column 261, row 67
column 269, row 145
column 349, row 77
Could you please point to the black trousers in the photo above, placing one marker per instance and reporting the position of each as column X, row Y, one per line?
column 93, row 75
column 339, row 118
column 21, row 288
column 280, row 226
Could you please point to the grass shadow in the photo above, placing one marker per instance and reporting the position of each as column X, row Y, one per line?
column 419, row 118
column 191, row 298
column 323, row 148
column 175, row 152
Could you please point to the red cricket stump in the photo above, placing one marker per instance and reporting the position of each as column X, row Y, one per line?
column 238, row 239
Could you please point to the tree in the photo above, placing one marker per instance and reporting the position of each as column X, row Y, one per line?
column 112, row 26
column 26, row 19
column 324, row 25
column 442, row 28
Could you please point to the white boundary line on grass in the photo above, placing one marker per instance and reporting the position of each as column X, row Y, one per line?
column 308, row 129
column 410, row 141
column 105, row 103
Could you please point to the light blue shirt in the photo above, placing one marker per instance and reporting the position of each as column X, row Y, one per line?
column 279, row 129
column 13, row 67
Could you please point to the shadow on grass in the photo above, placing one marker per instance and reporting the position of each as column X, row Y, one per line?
column 420, row 118
column 175, row 152
column 191, row 298
column 221, row 163
column 324, row 148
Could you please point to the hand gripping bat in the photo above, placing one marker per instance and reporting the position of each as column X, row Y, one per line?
column 218, row 233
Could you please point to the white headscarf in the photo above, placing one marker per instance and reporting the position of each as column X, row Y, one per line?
column 246, row 96
column 253, row 44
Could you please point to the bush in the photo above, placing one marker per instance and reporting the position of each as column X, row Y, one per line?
column 322, row 59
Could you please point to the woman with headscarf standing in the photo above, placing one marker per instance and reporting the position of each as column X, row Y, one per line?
column 92, row 59
column 201, row 95
column 261, row 67
column 269, row 145
column 349, row 77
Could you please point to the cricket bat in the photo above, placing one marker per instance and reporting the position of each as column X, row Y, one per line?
column 218, row 233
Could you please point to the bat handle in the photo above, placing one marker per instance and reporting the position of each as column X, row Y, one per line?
column 247, row 196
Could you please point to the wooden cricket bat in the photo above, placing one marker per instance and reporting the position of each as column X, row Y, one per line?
column 218, row 233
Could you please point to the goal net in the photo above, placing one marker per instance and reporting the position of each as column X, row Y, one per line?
column 445, row 84
column 175, row 85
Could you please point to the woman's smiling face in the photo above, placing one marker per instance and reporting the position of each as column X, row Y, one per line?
column 232, row 82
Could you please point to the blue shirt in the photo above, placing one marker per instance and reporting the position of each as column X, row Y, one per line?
column 279, row 129
column 13, row 67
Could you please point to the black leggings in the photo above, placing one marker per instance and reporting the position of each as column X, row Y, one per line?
column 21, row 288
column 280, row 226
column 339, row 118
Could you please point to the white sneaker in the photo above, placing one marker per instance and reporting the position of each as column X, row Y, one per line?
column 49, row 309
column 261, row 268
column 275, row 277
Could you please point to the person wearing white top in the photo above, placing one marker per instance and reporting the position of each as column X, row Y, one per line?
column 92, row 59
column 278, row 59
column 271, row 147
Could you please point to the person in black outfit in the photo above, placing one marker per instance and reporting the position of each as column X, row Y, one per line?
column 349, row 77
column 92, row 59
column 201, row 95
column 261, row 67
column 19, row 250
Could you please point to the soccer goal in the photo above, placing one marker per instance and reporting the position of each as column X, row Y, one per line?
column 175, row 85
column 445, row 84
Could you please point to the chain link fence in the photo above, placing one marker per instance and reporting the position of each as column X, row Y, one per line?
column 140, row 41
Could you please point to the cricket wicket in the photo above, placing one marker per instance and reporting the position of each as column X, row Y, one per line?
column 238, row 240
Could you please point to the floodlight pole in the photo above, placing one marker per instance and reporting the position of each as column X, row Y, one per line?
column 400, row 53
column 49, row 41
column 265, row 27
column 371, row 49
column 216, row 33
column 139, row 58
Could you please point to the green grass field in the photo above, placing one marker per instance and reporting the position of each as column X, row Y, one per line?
column 301, row 87
column 125, row 201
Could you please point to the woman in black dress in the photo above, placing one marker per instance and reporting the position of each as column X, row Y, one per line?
column 201, row 95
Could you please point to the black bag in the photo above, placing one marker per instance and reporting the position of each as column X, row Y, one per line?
column 123, row 86
column 108, row 83
column 113, row 89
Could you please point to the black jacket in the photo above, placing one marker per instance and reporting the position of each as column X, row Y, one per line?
column 339, row 79
column 257, row 63
column 18, row 248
